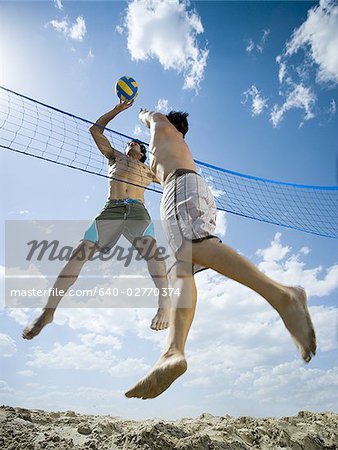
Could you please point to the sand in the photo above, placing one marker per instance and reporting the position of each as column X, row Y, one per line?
column 23, row 429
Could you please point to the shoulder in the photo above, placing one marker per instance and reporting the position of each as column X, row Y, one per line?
column 162, row 124
column 146, row 171
column 116, row 159
column 159, row 117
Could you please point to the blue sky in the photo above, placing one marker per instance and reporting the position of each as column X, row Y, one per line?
column 259, row 80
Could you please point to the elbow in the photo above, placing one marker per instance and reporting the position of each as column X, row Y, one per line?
column 95, row 129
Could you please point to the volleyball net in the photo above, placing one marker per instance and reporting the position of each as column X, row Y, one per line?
column 35, row 129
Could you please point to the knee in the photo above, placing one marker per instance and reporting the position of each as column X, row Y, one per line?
column 180, row 270
column 146, row 246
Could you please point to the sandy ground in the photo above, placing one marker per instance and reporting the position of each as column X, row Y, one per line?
column 23, row 429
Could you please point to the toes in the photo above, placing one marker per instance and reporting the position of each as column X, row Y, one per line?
column 130, row 393
column 159, row 325
column 154, row 326
column 26, row 334
column 164, row 325
column 307, row 355
column 308, row 359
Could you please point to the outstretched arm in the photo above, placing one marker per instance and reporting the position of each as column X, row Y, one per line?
column 97, row 129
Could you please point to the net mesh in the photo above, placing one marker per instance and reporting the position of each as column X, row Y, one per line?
column 39, row 130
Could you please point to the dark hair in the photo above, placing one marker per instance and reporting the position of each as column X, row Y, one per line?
column 143, row 150
column 179, row 120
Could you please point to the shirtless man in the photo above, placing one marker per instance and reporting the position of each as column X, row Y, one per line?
column 186, row 197
column 126, row 204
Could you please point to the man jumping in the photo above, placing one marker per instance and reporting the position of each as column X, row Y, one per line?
column 124, row 213
column 188, row 211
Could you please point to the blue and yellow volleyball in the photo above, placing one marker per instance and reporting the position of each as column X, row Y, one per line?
column 126, row 88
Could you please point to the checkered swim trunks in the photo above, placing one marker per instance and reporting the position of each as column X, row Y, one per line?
column 188, row 211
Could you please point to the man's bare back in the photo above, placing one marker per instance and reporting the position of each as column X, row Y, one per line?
column 167, row 149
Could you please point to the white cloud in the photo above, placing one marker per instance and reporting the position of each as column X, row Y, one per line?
column 5, row 388
column 221, row 223
column 333, row 107
column 326, row 320
column 21, row 212
column 305, row 250
column 20, row 315
column 93, row 340
column 58, row 4
column 60, row 25
column 162, row 106
column 318, row 36
column 216, row 192
column 7, row 345
column 309, row 388
column 275, row 252
column 137, row 130
column 167, row 31
column 251, row 46
column 83, row 357
column 258, row 102
column 299, row 97
column 119, row 29
column 282, row 68
column 292, row 271
column 78, row 29
column 197, row 382
column 75, row 31
column 88, row 58
column 26, row 373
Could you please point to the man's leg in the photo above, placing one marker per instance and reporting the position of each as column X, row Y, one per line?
column 172, row 363
column 147, row 248
column 66, row 278
column 289, row 302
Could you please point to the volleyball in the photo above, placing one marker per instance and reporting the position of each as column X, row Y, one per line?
column 126, row 88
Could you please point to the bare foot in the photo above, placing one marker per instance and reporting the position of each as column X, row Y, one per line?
column 297, row 320
column 161, row 319
column 38, row 324
column 164, row 373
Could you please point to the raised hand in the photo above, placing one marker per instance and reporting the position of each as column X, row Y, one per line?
column 124, row 104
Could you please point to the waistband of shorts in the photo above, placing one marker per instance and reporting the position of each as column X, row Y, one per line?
column 178, row 173
column 123, row 201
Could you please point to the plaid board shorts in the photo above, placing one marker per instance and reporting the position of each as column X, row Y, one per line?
column 188, row 212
